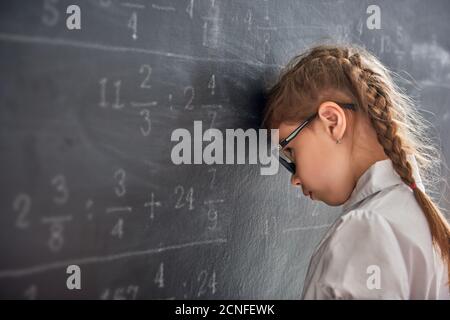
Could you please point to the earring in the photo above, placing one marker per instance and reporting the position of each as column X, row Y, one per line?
column 338, row 141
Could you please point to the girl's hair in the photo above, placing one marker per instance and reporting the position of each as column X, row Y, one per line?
column 333, row 71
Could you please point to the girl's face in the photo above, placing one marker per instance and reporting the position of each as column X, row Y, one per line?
column 323, row 167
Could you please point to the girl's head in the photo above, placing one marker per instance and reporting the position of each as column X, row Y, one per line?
column 338, row 145
column 328, row 147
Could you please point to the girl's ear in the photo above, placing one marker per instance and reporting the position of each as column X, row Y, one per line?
column 333, row 119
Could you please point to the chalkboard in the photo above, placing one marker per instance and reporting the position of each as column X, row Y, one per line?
column 86, row 118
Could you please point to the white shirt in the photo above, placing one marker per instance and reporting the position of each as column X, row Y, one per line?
column 380, row 247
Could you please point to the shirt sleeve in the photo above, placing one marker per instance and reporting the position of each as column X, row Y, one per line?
column 361, row 260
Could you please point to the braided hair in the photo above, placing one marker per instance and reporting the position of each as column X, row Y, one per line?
column 324, row 71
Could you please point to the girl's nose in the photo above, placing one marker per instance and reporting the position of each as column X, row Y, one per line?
column 295, row 181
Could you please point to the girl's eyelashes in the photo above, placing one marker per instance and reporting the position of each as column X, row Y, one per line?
column 290, row 152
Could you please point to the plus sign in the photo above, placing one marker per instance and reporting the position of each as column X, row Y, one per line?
column 152, row 205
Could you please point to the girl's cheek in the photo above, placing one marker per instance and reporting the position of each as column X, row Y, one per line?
column 307, row 166
column 316, row 166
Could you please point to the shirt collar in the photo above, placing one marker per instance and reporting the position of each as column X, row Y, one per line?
column 378, row 176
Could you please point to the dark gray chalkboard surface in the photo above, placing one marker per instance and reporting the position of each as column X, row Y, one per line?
column 85, row 122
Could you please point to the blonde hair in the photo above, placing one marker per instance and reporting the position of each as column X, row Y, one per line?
column 327, row 70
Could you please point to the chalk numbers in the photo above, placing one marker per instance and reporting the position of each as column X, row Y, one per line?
column 116, row 88
column 22, row 205
column 61, row 189
column 146, row 70
column 132, row 24
column 185, row 198
column 146, row 127
column 207, row 282
column 119, row 177
column 159, row 277
column 117, row 230
column 129, row 292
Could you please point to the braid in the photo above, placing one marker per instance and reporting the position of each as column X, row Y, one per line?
column 374, row 96
column 379, row 110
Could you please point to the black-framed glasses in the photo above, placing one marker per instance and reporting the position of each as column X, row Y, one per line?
column 284, row 156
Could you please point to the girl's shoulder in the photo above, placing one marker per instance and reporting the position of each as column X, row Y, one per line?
column 393, row 210
column 358, row 243
column 359, row 224
column 362, row 242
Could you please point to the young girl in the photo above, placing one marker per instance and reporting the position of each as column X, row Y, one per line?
column 350, row 137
